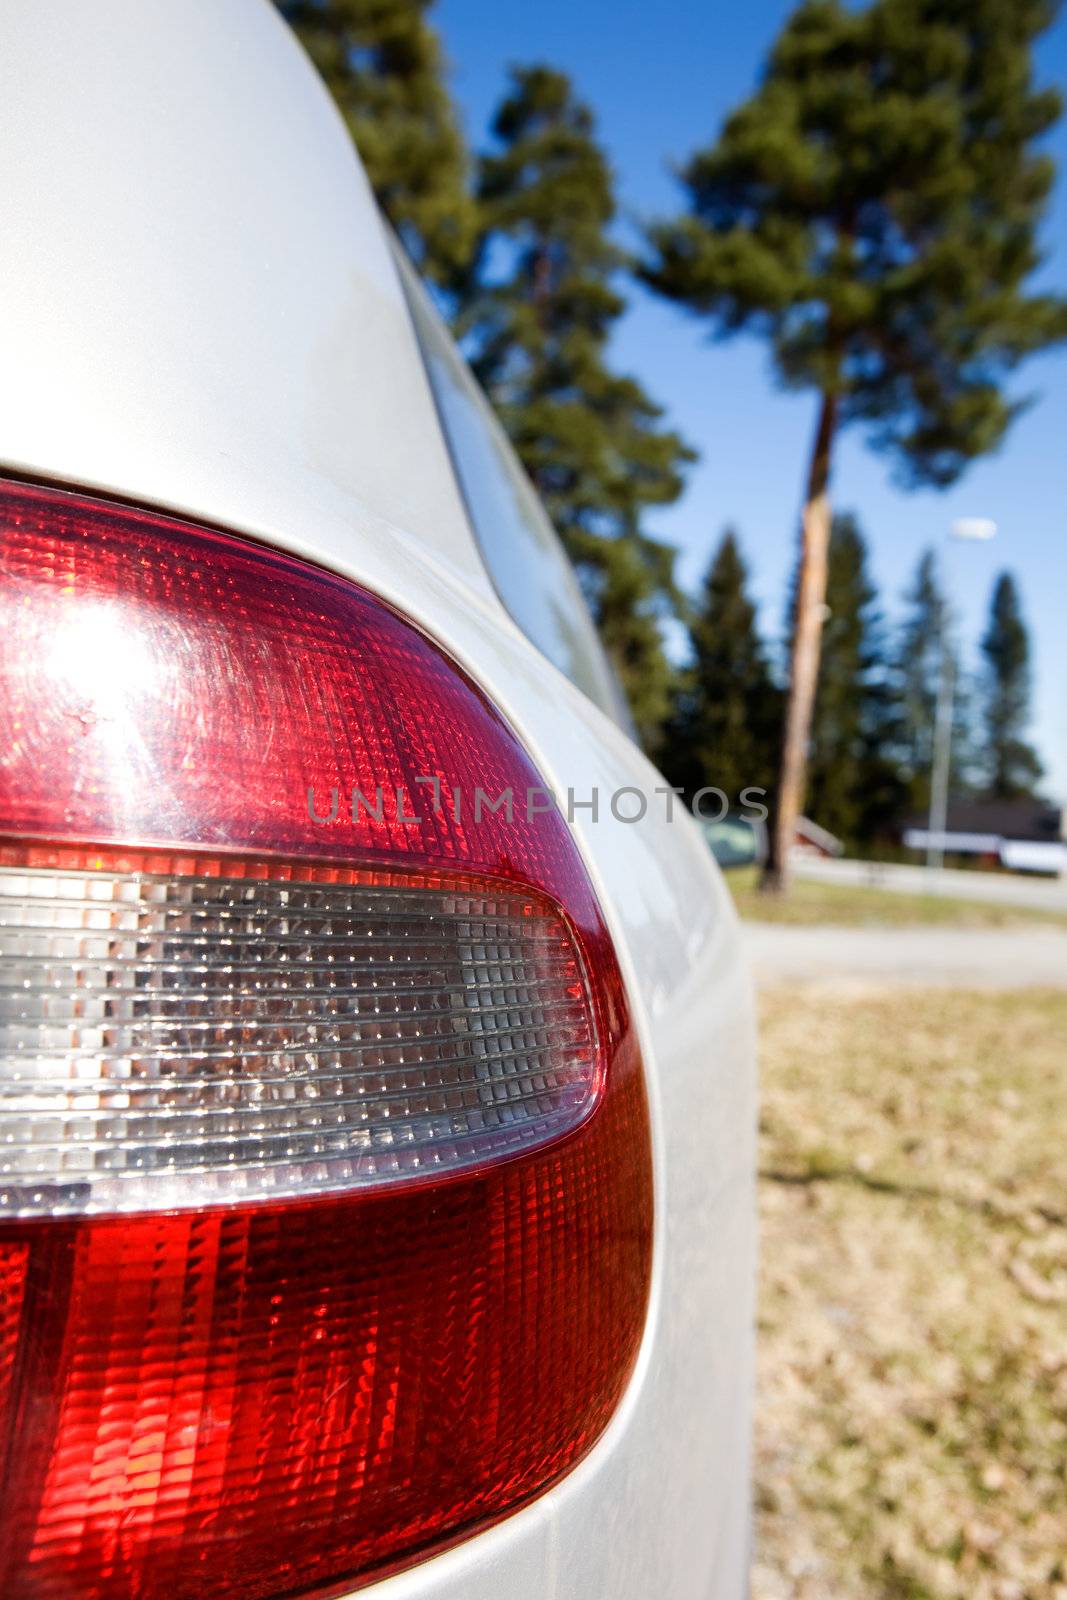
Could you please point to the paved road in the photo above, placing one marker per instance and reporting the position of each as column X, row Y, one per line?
column 1000, row 888
column 960, row 958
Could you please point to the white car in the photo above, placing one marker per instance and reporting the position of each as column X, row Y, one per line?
column 376, row 1042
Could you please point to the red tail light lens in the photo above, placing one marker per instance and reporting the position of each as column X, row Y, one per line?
column 325, row 1192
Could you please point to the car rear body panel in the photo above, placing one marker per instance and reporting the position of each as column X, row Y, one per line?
column 201, row 313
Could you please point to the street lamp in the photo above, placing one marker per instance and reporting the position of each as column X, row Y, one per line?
column 967, row 530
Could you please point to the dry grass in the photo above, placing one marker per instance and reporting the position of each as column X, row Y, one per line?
column 810, row 903
column 912, row 1430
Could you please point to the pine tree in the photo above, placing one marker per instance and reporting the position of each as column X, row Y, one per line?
column 383, row 64
column 873, row 210
column 537, row 313
column 853, row 785
column 724, row 730
column 1012, row 767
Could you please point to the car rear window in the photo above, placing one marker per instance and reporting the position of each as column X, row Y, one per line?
column 521, row 550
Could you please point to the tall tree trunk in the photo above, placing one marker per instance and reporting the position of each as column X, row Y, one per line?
column 804, row 659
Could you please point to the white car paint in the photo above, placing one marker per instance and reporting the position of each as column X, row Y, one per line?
column 200, row 312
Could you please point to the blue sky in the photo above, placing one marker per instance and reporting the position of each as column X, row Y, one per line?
column 660, row 79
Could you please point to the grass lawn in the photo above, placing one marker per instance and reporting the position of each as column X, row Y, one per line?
column 912, row 1413
column 855, row 906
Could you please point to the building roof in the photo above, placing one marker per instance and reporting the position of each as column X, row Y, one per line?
column 821, row 837
column 1007, row 819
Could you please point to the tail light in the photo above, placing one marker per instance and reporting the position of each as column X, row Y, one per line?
column 325, row 1196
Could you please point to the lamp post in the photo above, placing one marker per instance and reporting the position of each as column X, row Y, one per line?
column 967, row 530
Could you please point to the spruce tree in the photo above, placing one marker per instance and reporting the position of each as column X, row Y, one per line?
column 537, row 313
column 724, row 730
column 925, row 635
column 383, row 64
column 1011, row 765
column 919, row 666
column 632, row 592
column 852, row 779
column 873, row 210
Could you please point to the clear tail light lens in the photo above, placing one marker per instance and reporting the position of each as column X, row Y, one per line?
column 246, row 1030
column 325, row 1184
